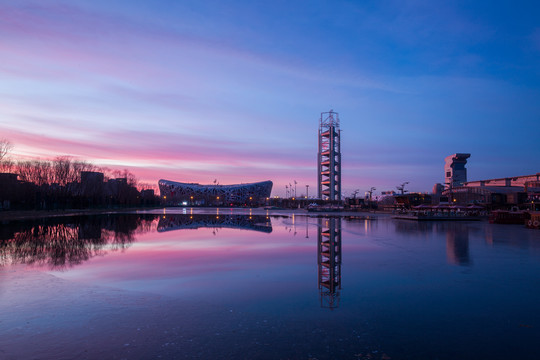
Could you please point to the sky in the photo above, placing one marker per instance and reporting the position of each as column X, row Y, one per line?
column 197, row 91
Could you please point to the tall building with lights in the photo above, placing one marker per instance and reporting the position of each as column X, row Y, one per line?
column 329, row 157
column 455, row 173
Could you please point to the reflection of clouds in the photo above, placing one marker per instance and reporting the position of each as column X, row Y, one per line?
column 194, row 221
column 64, row 242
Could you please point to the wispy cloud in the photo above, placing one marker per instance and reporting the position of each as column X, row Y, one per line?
column 184, row 92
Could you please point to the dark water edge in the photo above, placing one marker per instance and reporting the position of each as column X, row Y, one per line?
column 409, row 290
column 29, row 215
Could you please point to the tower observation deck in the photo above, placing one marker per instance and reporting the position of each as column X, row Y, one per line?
column 329, row 157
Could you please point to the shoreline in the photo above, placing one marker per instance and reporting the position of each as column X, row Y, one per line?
column 11, row 215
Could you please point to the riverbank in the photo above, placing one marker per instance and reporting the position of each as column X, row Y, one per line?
column 39, row 214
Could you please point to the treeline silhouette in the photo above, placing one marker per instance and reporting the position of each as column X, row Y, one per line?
column 66, row 183
column 66, row 241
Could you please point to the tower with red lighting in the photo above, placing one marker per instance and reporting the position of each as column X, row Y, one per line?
column 329, row 157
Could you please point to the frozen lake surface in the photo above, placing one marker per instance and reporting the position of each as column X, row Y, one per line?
column 241, row 284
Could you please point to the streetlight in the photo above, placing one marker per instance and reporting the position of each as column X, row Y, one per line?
column 370, row 197
column 371, row 192
column 402, row 187
column 290, row 192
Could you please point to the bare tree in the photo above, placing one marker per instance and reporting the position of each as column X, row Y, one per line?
column 62, row 170
column 80, row 166
column 6, row 165
column 66, row 170
column 35, row 171
column 126, row 174
column 5, row 148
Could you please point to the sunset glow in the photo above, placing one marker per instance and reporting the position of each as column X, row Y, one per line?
column 233, row 90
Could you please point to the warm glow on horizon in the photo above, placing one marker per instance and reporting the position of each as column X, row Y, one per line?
column 192, row 98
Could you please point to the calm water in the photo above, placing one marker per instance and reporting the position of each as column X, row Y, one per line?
column 222, row 284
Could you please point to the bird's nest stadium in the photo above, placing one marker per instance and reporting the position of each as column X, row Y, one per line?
column 178, row 193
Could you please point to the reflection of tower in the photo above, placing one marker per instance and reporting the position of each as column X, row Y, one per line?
column 329, row 157
column 329, row 261
column 457, row 245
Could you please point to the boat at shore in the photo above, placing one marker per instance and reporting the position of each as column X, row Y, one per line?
column 442, row 212
column 436, row 217
column 514, row 216
column 534, row 221
column 324, row 208
column 273, row 208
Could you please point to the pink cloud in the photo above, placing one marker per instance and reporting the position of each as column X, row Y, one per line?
column 170, row 158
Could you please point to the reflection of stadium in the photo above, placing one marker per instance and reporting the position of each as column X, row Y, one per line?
column 176, row 193
column 195, row 221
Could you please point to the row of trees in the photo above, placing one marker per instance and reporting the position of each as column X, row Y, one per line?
column 57, row 183
column 62, row 170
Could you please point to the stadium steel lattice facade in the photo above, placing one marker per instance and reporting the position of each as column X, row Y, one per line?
column 178, row 193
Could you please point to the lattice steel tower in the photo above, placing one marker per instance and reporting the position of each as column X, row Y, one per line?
column 329, row 157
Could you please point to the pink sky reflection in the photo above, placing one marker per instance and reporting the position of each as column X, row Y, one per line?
column 193, row 259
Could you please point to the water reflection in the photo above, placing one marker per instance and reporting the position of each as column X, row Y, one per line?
column 419, row 228
column 456, row 233
column 329, row 261
column 59, row 243
column 199, row 294
column 64, row 242
column 194, row 221
column 457, row 244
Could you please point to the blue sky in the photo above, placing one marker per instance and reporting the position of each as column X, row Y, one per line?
column 199, row 90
